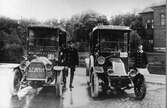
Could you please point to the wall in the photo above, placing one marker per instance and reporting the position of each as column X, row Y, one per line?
column 148, row 38
column 159, row 30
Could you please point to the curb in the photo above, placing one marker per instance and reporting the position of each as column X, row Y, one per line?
column 149, row 78
column 156, row 79
column 158, row 83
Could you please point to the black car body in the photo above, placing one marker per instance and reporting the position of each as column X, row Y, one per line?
column 107, row 66
column 42, row 64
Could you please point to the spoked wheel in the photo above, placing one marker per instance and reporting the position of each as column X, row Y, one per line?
column 89, row 78
column 16, row 81
column 94, row 86
column 59, row 85
column 140, row 89
column 59, row 90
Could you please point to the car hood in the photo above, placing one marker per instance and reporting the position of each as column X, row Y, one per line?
column 118, row 67
column 44, row 60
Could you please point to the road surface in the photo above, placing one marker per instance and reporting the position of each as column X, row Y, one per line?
column 79, row 97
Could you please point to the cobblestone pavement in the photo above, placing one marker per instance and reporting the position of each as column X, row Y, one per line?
column 79, row 97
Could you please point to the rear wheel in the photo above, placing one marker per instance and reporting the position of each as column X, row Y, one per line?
column 94, row 86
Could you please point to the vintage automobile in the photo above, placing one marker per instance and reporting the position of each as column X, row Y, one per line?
column 107, row 67
column 42, row 64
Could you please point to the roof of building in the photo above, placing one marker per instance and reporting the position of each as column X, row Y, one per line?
column 45, row 26
column 111, row 27
column 147, row 10
column 150, row 9
column 163, row 3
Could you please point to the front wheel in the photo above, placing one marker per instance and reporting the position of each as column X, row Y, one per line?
column 59, row 85
column 94, row 86
column 16, row 81
column 140, row 88
column 59, row 90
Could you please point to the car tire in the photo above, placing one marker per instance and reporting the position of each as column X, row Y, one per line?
column 94, row 86
column 59, row 85
column 59, row 90
column 16, row 81
column 89, row 78
column 140, row 89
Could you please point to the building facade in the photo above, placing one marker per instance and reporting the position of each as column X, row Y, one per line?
column 154, row 21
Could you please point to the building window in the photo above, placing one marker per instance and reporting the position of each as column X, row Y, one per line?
column 149, row 24
column 152, row 21
column 162, row 17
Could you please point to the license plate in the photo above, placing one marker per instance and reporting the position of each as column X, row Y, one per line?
column 33, row 70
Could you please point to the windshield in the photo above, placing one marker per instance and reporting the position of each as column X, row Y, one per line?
column 43, row 37
column 112, row 41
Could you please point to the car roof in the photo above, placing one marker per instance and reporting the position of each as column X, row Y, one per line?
column 111, row 27
column 46, row 26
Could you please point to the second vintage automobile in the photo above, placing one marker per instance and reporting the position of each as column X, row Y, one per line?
column 107, row 66
column 42, row 65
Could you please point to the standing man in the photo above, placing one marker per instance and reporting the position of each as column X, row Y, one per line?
column 141, row 62
column 72, row 60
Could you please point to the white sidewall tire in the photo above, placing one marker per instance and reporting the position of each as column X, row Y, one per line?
column 95, row 86
column 14, row 89
column 59, row 86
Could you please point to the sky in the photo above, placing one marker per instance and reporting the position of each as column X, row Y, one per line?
column 48, row 9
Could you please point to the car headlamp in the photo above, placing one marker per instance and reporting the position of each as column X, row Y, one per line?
column 48, row 66
column 22, row 66
column 110, row 71
column 101, row 60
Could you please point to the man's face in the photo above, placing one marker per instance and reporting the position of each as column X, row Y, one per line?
column 72, row 45
column 140, row 47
